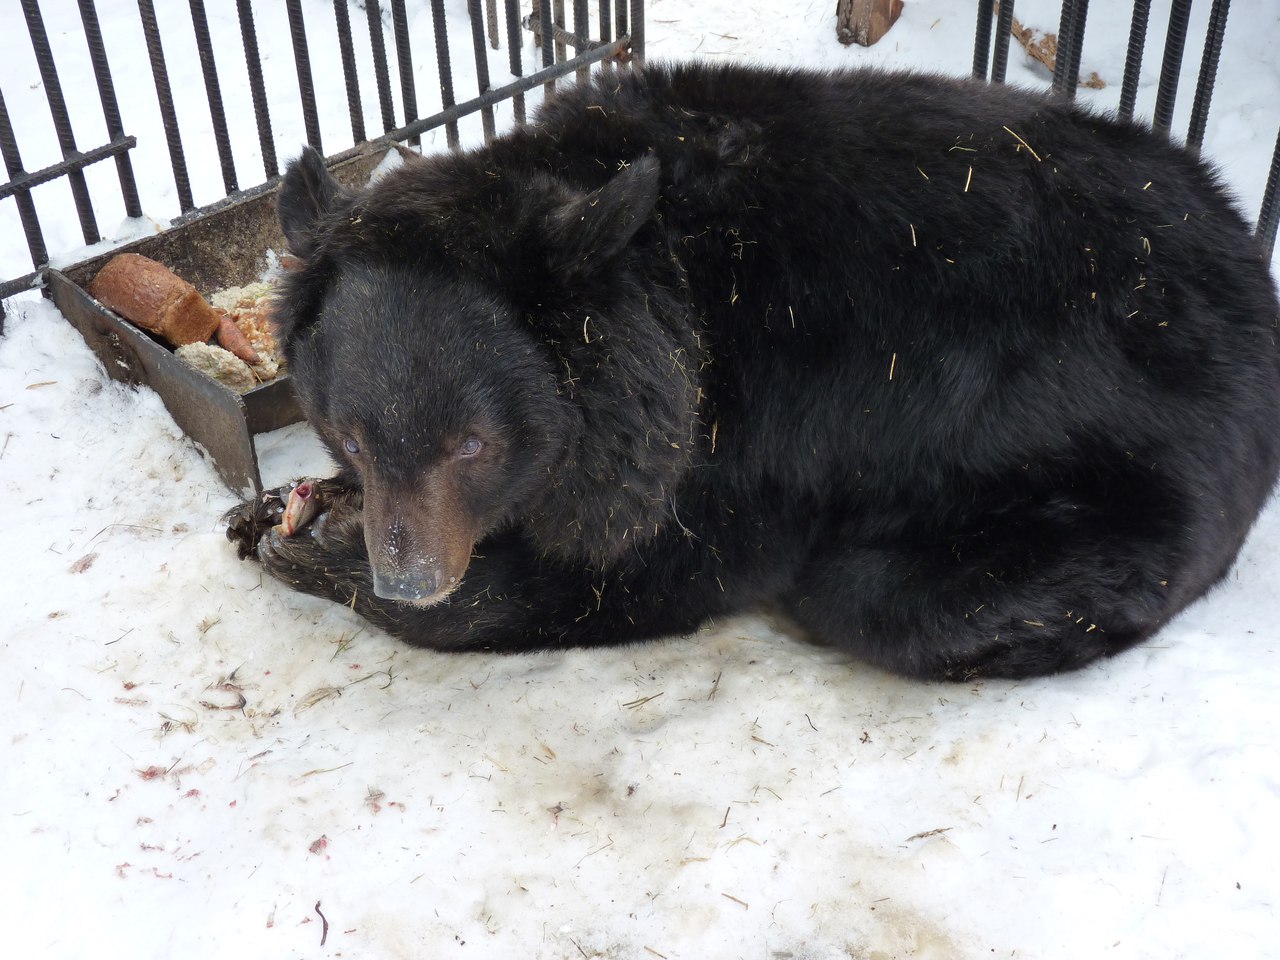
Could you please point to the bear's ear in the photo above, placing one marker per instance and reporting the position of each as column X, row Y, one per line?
column 590, row 229
column 306, row 192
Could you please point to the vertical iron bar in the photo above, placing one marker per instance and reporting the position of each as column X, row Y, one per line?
column 637, row 29
column 164, row 96
column 1066, row 67
column 404, row 64
column 253, row 63
column 1270, row 212
column 1167, row 90
column 982, row 38
column 376, row 41
column 548, row 50
column 581, row 30
column 491, row 18
column 1208, row 73
column 221, row 136
column 1004, row 30
column 446, row 73
column 347, row 53
column 1065, row 21
column 514, row 43
column 1133, row 59
column 61, row 119
column 26, row 206
column 482, row 64
column 606, row 28
column 1077, row 45
column 620, row 18
column 558, row 7
column 110, row 108
column 302, row 60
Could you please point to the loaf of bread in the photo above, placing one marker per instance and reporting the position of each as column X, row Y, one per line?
column 150, row 295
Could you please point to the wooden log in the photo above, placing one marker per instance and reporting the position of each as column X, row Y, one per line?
column 864, row 22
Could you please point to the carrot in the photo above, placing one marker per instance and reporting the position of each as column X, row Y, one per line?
column 230, row 338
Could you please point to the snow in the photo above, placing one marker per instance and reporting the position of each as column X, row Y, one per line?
column 198, row 761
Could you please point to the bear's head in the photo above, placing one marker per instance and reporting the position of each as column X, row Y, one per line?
column 488, row 351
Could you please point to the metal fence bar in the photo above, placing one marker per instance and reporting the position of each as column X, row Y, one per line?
column 552, row 73
column 16, row 285
column 221, row 135
column 482, row 65
column 1270, row 212
column 491, row 21
column 61, row 119
column 378, row 44
column 1133, row 58
column 1167, row 90
column 581, row 32
column 1066, row 67
column 404, row 63
column 164, row 95
column 302, row 61
column 22, row 181
column 1208, row 73
column 1077, row 44
column 26, row 206
column 257, row 89
column 446, row 72
column 606, row 27
column 620, row 18
column 347, row 54
column 514, row 42
column 982, row 38
column 110, row 108
column 557, row 9
column 637, row 29
column 1004, row 31
column 548, row 49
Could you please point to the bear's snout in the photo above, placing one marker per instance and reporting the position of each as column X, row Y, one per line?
column 423, row 588
column 419, row 545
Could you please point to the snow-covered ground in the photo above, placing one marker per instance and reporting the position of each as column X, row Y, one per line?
column 200, row 762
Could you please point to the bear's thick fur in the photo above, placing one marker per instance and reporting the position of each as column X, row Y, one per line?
column 969, row 381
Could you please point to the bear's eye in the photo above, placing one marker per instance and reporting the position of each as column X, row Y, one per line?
column 470, row 447
column 351, row 446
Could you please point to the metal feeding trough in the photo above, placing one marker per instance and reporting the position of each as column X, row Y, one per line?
column 223, row 248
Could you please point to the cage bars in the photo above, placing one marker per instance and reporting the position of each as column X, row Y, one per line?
column 1208, row 71
column 404, row 63
column 257, row 88
column 482, row 66
column 1133, row 57
column 1066, row 64
column 61, row 119
column 613, row 20
column 1171, row 67
column 213, row 92
column 377, row 43
column 347, row 55
column 110, row 108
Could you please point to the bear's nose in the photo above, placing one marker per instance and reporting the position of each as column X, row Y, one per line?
column 408, row 588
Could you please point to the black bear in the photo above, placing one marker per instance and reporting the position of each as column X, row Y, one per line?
column 968, row 381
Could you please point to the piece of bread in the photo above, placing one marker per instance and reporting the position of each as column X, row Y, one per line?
column 150, row 295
